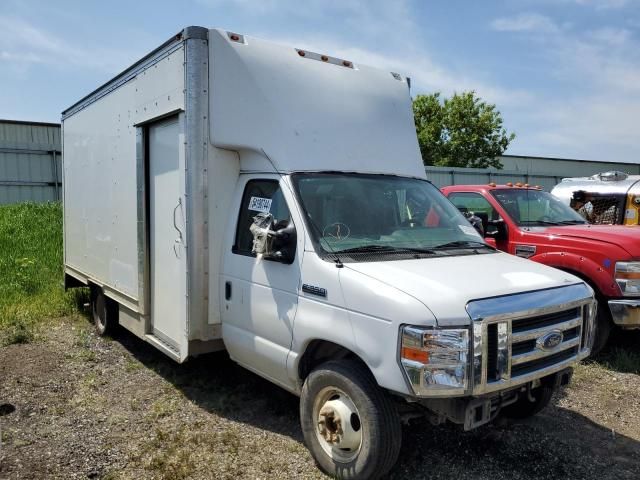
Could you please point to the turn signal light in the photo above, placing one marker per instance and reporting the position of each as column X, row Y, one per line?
column 415, row 354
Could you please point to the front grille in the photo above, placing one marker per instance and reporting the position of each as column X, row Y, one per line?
column 522, row 337
column 524, row 324
column 527, row 356
column 543, row 362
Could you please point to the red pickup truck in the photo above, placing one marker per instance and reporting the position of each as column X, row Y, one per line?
column 528, row 222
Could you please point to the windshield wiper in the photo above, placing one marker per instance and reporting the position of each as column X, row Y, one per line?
column 573, row 222
column 539, row 222
column 546, row 222
column 463, row 244
column 383, row 248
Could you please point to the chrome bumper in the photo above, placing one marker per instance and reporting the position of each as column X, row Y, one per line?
column 625, row 313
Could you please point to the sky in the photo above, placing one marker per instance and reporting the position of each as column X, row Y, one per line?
column 565, row 74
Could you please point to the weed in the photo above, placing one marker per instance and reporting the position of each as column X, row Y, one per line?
column 31, row 267
column 163, row 407
column 132, row 365
column 17, row 328
column 622, row 360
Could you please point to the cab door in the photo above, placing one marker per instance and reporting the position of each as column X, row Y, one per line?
column 259, row 297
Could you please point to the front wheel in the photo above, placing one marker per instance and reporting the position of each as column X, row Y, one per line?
column 528, row 405
column 349, row 423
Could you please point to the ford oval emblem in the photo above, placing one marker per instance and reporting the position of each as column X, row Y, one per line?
column 550, row 340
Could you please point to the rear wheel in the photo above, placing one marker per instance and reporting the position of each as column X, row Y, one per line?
column 104, row 312
column 529, row 405
column 349, row 423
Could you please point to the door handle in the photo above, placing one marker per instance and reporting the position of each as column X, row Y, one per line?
column 227, row 290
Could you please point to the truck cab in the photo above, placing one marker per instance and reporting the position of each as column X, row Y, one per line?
column 530, row 223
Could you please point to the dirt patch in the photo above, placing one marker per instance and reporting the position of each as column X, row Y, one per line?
column 87, row 407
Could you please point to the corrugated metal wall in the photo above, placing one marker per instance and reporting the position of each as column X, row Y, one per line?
column 546, row 172
column 30, row 162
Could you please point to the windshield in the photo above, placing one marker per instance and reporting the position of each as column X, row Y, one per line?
column 357, row 217
column 529, row 207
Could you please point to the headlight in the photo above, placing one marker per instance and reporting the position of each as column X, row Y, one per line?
column 628, row 278
column 435, row 361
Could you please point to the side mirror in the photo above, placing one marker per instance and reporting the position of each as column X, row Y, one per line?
column 496, row 229
column 283, row 246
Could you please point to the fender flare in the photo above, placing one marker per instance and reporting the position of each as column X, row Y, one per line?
column 583, row 267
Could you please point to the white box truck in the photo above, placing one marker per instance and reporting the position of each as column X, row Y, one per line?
column 227, row 192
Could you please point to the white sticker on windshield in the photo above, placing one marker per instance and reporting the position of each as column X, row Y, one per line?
column 469, row 230
column 259, row 204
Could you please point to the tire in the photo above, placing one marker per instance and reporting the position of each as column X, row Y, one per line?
column 603, row 327
column 104, row 312
column 525, row 408
column 330, row 393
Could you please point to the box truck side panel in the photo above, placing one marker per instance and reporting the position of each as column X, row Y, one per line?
column 125, row 196
column 269, row 97
column 100, row 192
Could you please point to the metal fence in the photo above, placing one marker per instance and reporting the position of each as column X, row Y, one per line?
column 30, row 162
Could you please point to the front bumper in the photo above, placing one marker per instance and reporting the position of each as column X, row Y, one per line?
column 472, row 412
column 625, row 313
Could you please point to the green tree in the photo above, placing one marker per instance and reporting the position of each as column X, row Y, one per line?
column 461, row 131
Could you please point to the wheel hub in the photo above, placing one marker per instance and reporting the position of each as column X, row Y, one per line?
column 338, row 425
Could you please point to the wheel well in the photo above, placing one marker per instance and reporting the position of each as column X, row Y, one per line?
column 584, row 278
column 321, row 351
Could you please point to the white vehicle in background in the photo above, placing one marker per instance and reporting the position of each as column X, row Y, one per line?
column 227, row 192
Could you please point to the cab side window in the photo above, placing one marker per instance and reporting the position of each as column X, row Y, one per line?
column 469, row 202
column 259, row 196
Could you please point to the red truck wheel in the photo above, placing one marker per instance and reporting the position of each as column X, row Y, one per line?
column 603, row 327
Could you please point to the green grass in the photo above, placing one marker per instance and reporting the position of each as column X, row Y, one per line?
column 622, row 360
column 31, row 270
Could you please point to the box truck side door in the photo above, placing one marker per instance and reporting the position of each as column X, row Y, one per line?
column 259, row 296
column 166, row 230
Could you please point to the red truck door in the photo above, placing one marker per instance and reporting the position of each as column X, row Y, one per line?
column 495, row 227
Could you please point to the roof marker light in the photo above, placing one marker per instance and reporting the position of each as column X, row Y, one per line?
column 492, row 184
column 509, row 184
column 235, row 37
column 325, row 58
column 518, row 184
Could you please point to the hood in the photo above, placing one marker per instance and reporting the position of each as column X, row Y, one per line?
column 627, row 237
column 445, row 285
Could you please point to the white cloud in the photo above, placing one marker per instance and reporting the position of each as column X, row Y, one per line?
column 612, row 36
column 597, row 116
column 604, row 4
column 525, row 22
column 23, row 44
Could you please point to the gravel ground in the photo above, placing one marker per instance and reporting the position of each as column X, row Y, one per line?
column 78, row 406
